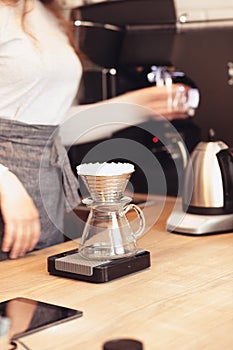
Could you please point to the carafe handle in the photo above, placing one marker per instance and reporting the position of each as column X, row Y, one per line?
column 140, row 214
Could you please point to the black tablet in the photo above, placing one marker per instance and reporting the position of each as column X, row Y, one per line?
column 28, row 316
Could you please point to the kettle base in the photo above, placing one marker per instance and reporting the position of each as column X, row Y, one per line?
column 186, row 223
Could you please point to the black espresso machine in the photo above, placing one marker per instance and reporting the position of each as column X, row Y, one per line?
column 117, row 61
column 125, row 40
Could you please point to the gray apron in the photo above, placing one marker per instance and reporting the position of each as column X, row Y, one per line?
column 35, row 154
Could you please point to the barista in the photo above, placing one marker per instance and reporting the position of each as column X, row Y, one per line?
column 39, row 76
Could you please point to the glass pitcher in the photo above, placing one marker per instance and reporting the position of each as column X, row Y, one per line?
column 108, row 234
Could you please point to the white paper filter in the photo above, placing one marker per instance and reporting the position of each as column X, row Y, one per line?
column 104, row 169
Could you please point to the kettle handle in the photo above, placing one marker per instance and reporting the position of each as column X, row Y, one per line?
column 225, row 159
column 141, row 216
column 183, row 152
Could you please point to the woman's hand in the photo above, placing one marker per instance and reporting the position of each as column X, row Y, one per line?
column 20, row 216
column 168, row 102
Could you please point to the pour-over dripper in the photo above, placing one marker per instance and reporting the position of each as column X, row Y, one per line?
column 106, row 182
column 107, row 234
column 106, row 188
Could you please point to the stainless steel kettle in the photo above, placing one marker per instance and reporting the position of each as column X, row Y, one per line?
column 208, row 179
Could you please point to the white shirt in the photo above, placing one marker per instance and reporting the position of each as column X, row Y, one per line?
column 39, row 77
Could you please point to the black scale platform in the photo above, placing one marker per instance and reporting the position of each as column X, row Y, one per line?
column 70, row 264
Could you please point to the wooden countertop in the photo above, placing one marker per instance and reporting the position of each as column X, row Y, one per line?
column 183, row 301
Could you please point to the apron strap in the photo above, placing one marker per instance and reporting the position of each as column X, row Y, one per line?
column 59, row 159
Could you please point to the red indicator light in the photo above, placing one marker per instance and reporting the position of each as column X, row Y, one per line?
column 155, row 139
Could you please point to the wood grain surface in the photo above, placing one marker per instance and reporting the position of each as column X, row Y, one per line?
column 184, row 301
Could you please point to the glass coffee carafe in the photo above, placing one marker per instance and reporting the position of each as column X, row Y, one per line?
column 108, row 234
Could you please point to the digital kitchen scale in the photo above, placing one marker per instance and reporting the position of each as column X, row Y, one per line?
column 71, row 264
